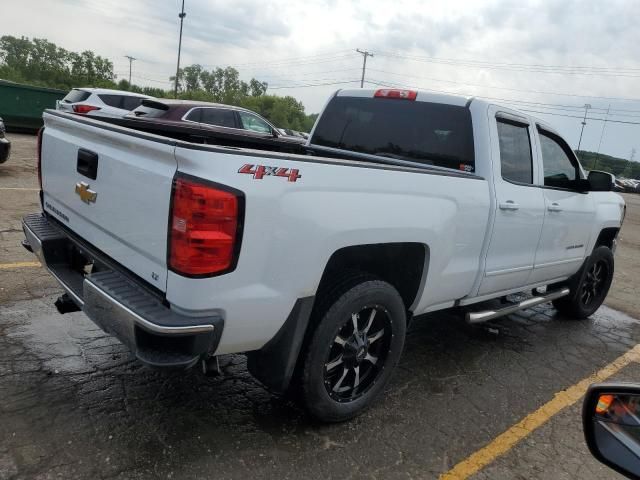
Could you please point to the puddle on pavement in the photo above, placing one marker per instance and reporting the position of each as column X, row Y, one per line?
column 58, row 340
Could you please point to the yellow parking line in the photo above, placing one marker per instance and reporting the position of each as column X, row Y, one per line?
column 9, row 266
column 507, row 440
column 20, row 188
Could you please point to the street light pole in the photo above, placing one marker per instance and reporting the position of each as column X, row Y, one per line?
column 584, row 122
column 181, row 15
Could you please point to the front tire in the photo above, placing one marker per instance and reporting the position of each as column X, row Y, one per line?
column 354, row 349
column 588, row 287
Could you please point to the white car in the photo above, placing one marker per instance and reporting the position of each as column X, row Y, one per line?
column 100, row 102
column 408, row 202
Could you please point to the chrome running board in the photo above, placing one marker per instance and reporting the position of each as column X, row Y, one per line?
column 486, row 315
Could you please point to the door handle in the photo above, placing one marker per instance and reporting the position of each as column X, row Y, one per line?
column 509, row 205
column 554, row 207
column 87, row 163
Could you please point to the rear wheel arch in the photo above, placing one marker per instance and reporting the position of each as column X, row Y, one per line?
column 404, row 265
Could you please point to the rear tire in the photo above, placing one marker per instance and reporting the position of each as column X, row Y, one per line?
column 588, row 287
column 357, row 342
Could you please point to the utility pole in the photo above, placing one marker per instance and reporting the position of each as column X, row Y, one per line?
column 365, row 54
column 131, row 59
column 626, row 173
column 584, row 122
column 606, row 117
column 181, row 15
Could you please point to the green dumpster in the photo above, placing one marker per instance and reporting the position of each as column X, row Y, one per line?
column 21, row 106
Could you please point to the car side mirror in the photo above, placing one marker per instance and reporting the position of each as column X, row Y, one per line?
column 601, row 181
column 611, row 424
column 274, row 133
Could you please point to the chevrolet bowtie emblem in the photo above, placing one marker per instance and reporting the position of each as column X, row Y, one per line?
column 86, row 195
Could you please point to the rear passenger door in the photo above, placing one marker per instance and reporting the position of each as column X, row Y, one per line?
column 519, row 204
column 569, row 213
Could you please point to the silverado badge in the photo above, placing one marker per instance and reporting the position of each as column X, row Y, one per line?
column 86, row 195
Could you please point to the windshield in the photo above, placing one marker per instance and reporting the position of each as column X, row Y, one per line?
column 429, row 133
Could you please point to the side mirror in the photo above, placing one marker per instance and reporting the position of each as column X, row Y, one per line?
column 275, row 133
column 601, row 181
column 611, row 424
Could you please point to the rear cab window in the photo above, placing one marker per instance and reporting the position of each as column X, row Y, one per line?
column 516, row 160
column 75, row 96
column 423, row 132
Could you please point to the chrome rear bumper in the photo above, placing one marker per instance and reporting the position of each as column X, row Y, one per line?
column 118, row 302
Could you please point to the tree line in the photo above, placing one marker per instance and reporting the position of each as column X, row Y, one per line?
column 42, row 63
column 618, row 166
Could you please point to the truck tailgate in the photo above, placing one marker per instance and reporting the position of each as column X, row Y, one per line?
column 111, row 187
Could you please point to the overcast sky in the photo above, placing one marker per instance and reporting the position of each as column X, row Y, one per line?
column 483, row 48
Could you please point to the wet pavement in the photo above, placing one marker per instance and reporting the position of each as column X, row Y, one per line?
column 75, row 404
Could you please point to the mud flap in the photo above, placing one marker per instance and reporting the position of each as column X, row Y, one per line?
column 273, row 364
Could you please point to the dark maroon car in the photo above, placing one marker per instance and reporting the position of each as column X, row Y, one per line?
column 210, row 123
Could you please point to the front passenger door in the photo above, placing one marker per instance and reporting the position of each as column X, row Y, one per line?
column 253, row 123
column 569, row 214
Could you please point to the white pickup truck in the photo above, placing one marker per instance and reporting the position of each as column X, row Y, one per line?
column 407, row 202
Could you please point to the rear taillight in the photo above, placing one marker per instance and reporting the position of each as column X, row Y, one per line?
column 84, row 108
column 205, row 225
column 39, row 157
column 394, row 93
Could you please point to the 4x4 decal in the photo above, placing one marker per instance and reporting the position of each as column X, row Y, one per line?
column 260, row 171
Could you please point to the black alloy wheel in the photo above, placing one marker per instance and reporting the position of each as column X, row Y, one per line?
column 594, row 282
column 588, row 288
column 357, row 355
column 358, row 331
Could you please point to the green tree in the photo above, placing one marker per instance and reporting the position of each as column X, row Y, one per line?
column 41, row 62
column 191, row 77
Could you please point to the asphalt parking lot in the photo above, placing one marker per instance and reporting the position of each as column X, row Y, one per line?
column 73, row 403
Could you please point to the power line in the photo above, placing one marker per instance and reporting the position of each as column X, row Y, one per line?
column 340, row 53
column 306, row 74
column 301, row 58
column 578, row 116
column 604, row 71
column 279, row 64
column 313, row 85
column 505, row 88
